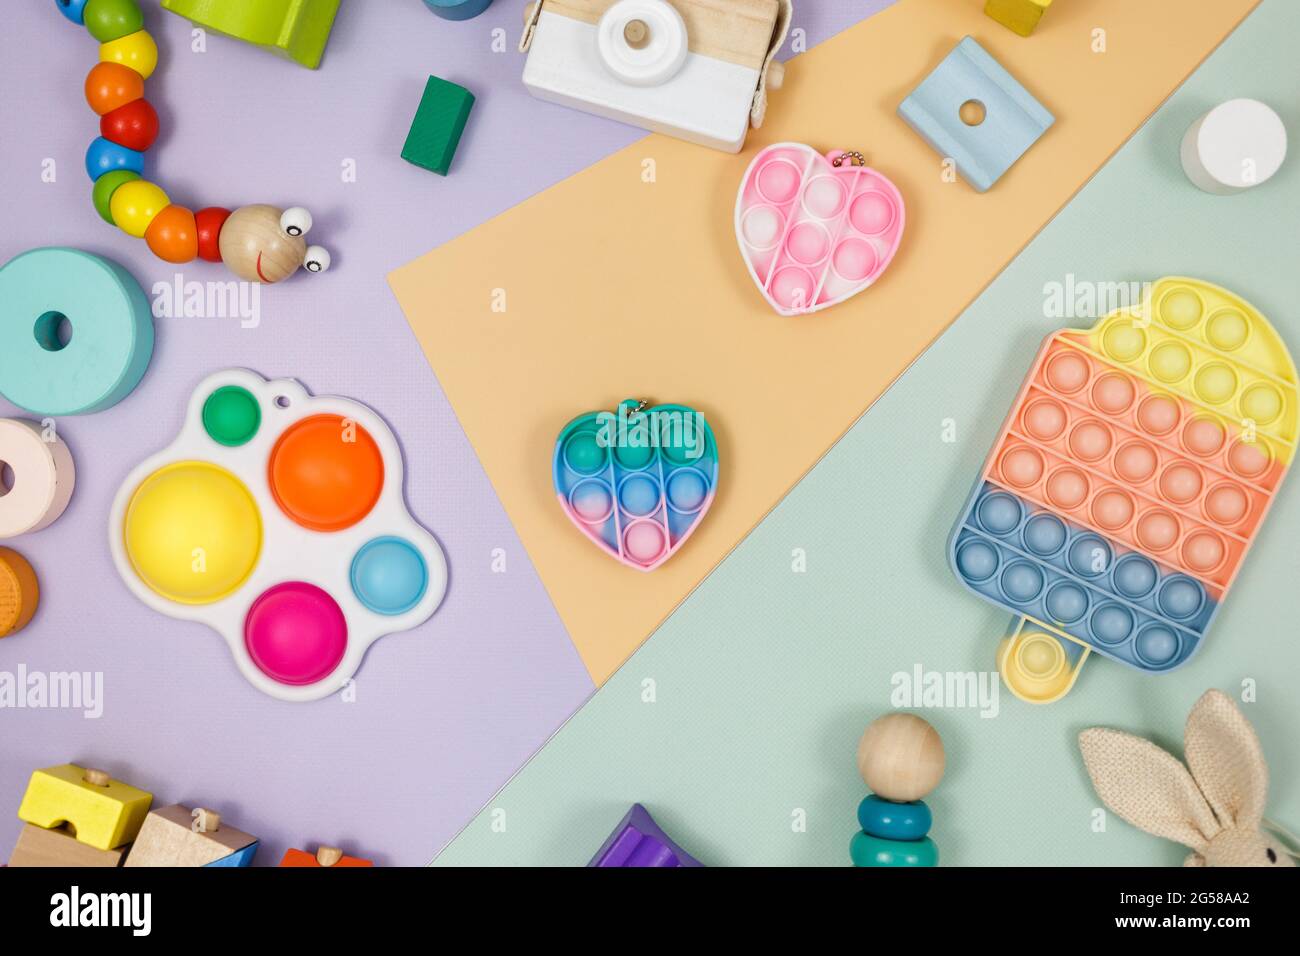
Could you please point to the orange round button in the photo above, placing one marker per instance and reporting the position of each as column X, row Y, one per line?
column 326, row 472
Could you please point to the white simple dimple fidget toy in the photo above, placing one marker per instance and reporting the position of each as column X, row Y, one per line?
column 277, row 519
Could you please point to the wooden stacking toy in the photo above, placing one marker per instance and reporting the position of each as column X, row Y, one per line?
column 1234, row 147
column 19, row 592
column 179, row 836
column 439, row 122
column 901, row 759
column 43, row 477
column 326, row 856
column 78, row 816
column 296, row 29
column 1018, row 16
column 259, row 243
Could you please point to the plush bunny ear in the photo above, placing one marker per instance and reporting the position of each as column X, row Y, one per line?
column 1224, row 755
column 1147, row 787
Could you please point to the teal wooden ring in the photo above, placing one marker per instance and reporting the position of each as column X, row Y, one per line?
column 111, row 332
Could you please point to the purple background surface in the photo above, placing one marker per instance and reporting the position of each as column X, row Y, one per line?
column 443, row 714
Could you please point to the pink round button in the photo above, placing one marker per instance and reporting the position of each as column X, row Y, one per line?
column 295, row 633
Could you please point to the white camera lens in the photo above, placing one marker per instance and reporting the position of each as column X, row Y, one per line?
column 642, row 42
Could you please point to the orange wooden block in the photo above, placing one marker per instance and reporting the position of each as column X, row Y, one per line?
column 38, row 846
column 19, row 592
column 325, row 856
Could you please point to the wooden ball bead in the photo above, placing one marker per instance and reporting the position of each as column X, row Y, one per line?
column 901, row 757
column 134, row 125
column 173, row 235
column 209, row 222
column 105, row 186
column 135, row 204
column 136, row 50
column 110, row 86
column 256, row 249
column 110, row 19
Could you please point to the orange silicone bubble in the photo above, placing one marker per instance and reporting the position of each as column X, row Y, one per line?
column 326, row 472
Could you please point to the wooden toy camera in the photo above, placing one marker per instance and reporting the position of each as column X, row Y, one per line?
column 695, row 69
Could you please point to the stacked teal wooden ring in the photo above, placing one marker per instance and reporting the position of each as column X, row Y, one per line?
column 901, row 759
column 457, row 9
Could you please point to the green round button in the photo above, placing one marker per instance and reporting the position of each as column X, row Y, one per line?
column 231, row 415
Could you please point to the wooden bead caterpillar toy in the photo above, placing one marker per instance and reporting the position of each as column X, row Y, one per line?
column 259, row 243
column 901, row 759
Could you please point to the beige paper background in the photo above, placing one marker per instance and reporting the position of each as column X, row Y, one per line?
column 620, row 288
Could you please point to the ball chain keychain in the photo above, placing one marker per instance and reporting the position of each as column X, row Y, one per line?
column 259, row 243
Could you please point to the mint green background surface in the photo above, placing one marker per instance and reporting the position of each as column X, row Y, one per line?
column 765, row 678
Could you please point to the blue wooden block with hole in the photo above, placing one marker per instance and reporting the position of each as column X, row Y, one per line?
column 1012, row 119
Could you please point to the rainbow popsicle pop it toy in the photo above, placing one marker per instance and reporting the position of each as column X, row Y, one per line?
column 638, row 481
column 277, row 519
column 815, row 230
column 1127, row 483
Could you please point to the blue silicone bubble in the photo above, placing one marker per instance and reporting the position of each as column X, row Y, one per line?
column 1180, row 597
column 1089, row 556
column 639, row 495
column 1044, row 534
column 111, row 326
column 1067, row 602
column 74, row 10
column 999, row 513
column 1022, row 582
column 687, row 489
column 104, row 156
column 389, row 575
column 894, row 821
column 977, row 561
column 1156, row 645
column 1111, row 623
column 1134, row 576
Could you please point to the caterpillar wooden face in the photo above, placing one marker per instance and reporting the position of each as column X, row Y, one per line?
column 259, row 243
column 264, row 244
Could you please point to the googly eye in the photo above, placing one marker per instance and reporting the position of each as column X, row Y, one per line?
column 317, row 259
column 296, row 222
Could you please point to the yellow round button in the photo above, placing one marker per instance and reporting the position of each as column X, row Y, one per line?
column 192, row 532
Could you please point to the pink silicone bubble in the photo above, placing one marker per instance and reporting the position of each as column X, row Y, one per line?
column 1157, row 530
column 1067, row 487
column 1090, row 440
column 824, row 197
column 1180, row 482
column 1135, row 461
column 1248, row 459
column 793, row 287
column 1226, row 504
column 1022, row 467
column 1044, row 419
column 872, row 213
column 778, row 181
column 591, row 501
column 1203, row 551
column 1068, row 372
column 1112, row 509
column 762, row 227
column 854, row 260
column 295, row 633
column 644, row 541
column 808, row 243
column 1158, row 415
column 1113, row 393
column 1203, row 436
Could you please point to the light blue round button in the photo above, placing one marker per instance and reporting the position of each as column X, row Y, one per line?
column 389, row 575
column 76, row 332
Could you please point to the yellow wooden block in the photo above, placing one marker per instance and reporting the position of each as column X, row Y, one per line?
column 58, row 847
column 168, row 838
column 101, row 812
column 1018, row 16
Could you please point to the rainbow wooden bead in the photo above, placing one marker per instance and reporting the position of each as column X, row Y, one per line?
column 259, row 243
column 136, row 50
column 135, row 204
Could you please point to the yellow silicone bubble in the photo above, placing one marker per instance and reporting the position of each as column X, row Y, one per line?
column 1216, row 383
column 192, row 532
column 1170, row 361
column 135, row 204
column 136, row 50
column 1227, row 330
column 1123, row 341
column 1181, row 309
column 1261, row 403
column 1035, row 668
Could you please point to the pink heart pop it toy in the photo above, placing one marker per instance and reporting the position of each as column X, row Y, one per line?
column 276, row 517
column 1127, row 484
column 815, row 230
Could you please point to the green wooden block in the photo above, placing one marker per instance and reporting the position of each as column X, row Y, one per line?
column 435, row 131
column 297, row 29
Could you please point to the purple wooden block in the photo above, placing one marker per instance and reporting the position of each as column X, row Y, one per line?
column 638, row 841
